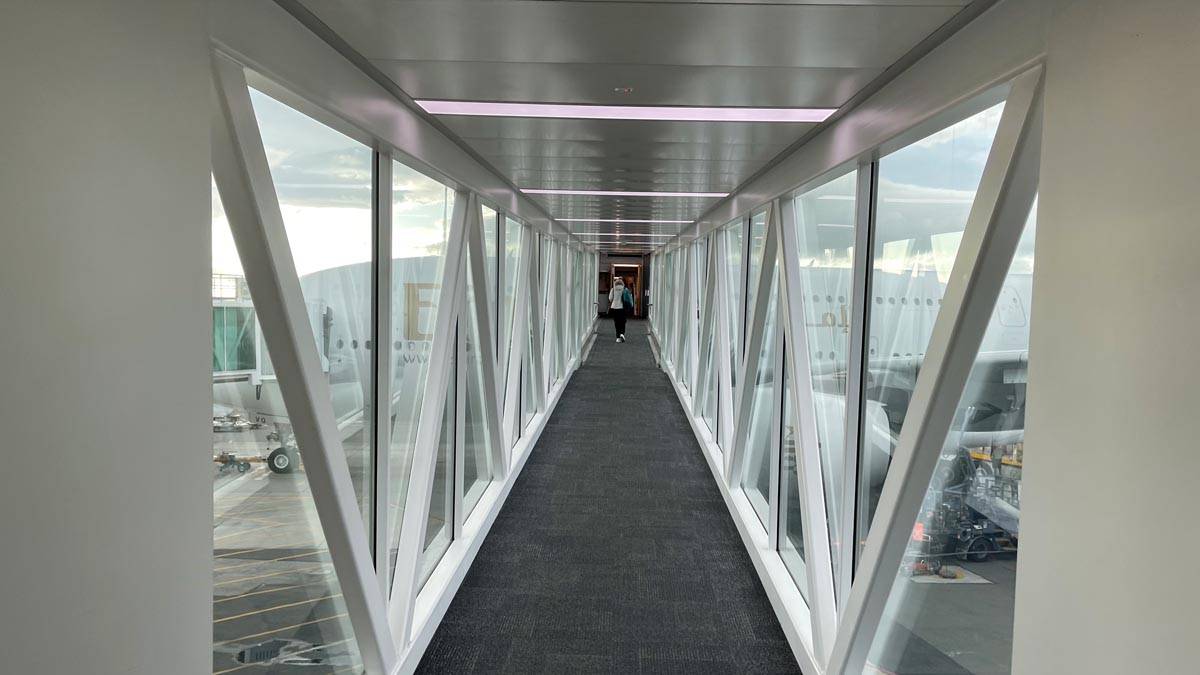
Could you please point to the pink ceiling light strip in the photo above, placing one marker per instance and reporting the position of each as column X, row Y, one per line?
column 621, row 220
column 619, row 193
column 625, row 112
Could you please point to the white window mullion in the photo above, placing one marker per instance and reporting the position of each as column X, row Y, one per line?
column 477, row 268
column 753, row 348
column 382, row 355
column 818, row 558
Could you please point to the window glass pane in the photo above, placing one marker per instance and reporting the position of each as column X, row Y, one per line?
column 733, row 290
column 477, row 458
column 825, row 236
column 273, row 580
column 323, row 180
column 951, row 605
column 758, row 230
column 491, row 246
column 438, row 529
column 512, row 258
column 756, row 469
column 529, row 393
column 791, row 524
column 421, row 212
column 925, row 195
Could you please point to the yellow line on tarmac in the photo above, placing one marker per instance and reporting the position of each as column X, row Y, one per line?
column 257, row 562
column 280, row 630
column 269, row 590
column 264, row 576
column 271, row 609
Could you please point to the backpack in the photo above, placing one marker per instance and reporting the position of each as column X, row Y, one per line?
column 627, row 299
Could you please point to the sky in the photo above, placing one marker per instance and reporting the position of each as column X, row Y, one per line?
column 323, row 180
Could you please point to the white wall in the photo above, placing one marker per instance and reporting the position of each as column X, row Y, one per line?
column 1107, row 574
column 105, row 494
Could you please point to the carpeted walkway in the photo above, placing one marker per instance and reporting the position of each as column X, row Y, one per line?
column 614, row 552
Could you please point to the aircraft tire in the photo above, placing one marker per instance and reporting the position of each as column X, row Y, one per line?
column 281, row 461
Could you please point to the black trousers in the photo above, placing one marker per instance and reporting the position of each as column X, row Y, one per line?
column 618, row 316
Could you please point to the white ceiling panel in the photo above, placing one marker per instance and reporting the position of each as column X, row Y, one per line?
column 531, row 31
column 648, row 84
column 715, row 53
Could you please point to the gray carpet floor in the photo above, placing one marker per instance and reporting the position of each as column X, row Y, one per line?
column 614, row 552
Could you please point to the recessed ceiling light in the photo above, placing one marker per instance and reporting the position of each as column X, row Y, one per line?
column 621, row 220
column 618, row 193
column 619, row 234
column 625, row 112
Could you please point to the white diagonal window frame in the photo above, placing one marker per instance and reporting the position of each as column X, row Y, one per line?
column 994, row 227
column 247, row 191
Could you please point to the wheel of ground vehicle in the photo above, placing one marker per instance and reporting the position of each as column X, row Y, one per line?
column 243, row 467
column 977, row 550
column 281, row 461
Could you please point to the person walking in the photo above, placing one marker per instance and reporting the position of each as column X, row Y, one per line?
column 620, row 303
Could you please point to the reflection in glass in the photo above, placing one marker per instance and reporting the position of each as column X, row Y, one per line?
column 925, row 195
column 421, row 210
column 323, row 180
column 272, row 575
column 791, row 524
column 825, row 236
column 756, row 468
column 951, row 604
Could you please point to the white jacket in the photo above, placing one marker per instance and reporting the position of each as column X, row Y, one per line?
column 615, row 300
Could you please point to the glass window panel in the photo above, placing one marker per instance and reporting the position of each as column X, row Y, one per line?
column 477, row 458
column 273, row 579
column 733, row 290
column 951, row 604
column 438, row 527
column 791, row 516
column 491, row 246
column 758, row 230
column 825, row 236
column 925, row 195
column 756, row 468
column 421, row 212
column 512, row 258
column 528, row 384
column 324, row 180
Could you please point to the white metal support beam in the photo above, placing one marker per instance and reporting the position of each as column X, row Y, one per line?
column 997, row 219
column 247, row 191
column 818, row 561
column 405, row 581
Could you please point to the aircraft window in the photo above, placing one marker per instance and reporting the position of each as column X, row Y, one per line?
column 367, row 344
column 829, row 298
column 891, row 301
column 878, row 300
column 841, row 298
column 816, row 298
column 354, row 344
column 904, row 301
column 340, row 343
column 396, row 346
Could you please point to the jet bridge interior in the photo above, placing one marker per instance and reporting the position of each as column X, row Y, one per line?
column 905, row 389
